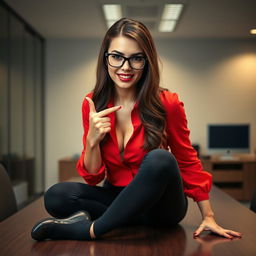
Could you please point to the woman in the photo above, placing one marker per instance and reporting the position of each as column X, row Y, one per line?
column 136, row 134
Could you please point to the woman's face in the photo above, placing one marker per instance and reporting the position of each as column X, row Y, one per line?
column 124, row 77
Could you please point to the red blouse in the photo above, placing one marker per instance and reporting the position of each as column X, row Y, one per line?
column 121, row 171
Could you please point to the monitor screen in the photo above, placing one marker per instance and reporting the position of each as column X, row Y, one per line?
column 229, row 137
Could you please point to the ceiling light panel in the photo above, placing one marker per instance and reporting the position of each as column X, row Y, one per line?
column 112, row 11
column 167, row 25
column 172, row 11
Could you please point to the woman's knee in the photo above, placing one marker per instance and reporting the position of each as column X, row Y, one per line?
column 162, row 162
column 57, row 198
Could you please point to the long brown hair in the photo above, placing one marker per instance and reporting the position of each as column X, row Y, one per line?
column 151, row 110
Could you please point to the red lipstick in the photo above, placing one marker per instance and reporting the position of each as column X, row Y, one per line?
column 125, row 77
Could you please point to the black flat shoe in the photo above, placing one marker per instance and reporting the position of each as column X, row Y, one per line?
column 75, row 227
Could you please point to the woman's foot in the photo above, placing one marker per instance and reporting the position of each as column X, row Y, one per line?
column 75, row 227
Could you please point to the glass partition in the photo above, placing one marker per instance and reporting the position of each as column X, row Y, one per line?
column 21, row 103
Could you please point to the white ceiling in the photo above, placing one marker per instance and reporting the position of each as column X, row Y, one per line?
column 84, row 18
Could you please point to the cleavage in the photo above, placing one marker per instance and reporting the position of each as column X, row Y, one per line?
column 124, row 130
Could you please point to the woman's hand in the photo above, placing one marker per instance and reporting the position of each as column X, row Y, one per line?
column 210, row 224
column 99, row 124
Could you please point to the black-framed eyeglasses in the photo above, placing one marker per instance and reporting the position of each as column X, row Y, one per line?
column 117, row 60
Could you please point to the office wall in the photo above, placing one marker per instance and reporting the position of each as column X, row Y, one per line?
column 215, row 79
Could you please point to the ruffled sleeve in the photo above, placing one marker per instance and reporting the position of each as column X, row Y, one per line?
column 91, row 179
column 197, row 182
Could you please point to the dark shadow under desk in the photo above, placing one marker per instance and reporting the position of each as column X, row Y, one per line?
column 15, row 235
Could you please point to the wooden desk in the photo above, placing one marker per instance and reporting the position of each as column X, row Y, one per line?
column 15, row 235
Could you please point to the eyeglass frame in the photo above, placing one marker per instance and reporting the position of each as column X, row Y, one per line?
column 125, row 59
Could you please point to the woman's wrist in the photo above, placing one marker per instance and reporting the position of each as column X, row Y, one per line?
column 205, row 208
column 208, row 215
column 91, row 143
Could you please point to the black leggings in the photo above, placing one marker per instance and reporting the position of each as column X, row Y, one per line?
column 155, row 196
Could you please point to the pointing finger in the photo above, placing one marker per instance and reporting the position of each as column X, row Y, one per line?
column 107, row 111
column 91, row 105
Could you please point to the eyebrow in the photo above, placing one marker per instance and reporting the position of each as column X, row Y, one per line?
column 137, row 53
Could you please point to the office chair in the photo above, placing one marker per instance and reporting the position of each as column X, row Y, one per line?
column 253, row 202
column 8, row 204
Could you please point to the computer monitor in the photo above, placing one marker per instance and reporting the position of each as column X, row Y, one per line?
column 228, row 139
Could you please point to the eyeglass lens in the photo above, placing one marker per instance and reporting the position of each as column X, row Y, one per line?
column 136, row 62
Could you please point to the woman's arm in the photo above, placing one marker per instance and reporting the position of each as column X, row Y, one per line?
column 197, row 182
column 209, row 223
column 99, row 125
column 96, row 124
column 205, row 208
column 92, row 157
